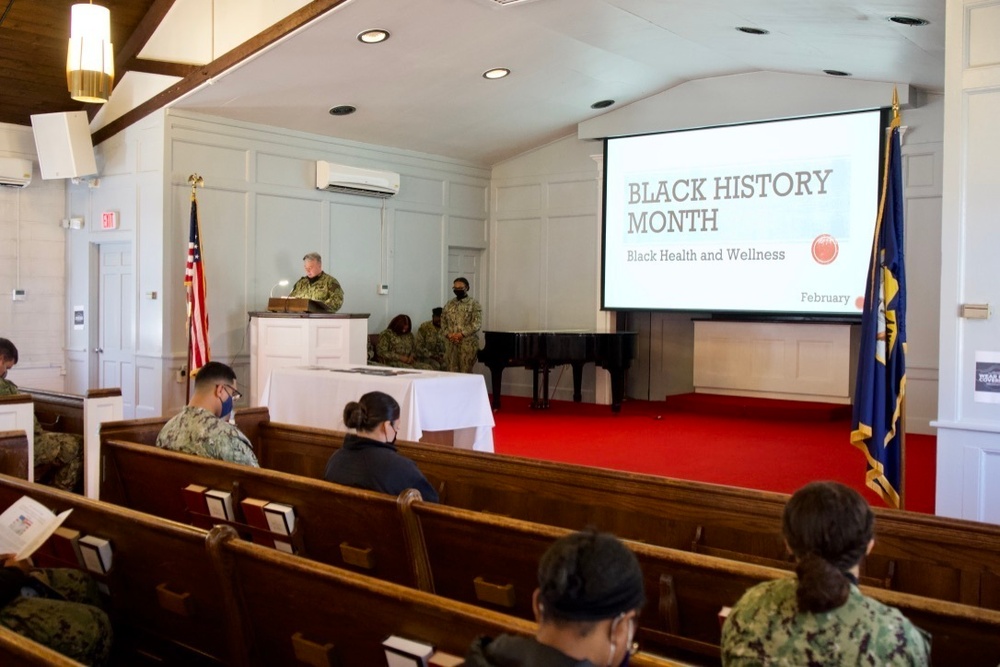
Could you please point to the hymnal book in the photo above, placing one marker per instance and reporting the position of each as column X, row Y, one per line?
column 194, row 498
column 253, row 512
column 96, row 552
column 220, row 504
column 26, row 525
column 280, row 518
column 65, row 545
column 442, row 659
column 400, row 652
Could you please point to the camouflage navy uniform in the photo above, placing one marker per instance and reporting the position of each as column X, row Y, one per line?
column 463, row 316
column 59, row 456
column 199, row 432
column 75, row 627
column 393, row 348
column 323, row 287
column 766, row 628
column 430, row 346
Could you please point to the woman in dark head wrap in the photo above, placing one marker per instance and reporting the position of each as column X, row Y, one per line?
column 396, row 344
column 821, row 617
column 590, row 592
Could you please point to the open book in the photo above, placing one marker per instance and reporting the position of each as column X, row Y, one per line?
column 25, row 526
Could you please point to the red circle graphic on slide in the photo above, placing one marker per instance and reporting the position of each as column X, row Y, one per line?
column 859, row 303
column 825, row 249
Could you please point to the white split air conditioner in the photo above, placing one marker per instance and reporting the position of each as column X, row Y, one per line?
column 356, row 181
column 15, row 172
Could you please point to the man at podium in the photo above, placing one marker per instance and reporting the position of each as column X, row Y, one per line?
column 317, row 285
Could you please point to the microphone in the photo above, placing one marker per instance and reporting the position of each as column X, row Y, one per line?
column 280, row 283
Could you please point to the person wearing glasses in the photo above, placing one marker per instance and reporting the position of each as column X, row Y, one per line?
column 590, row 592
column 318, row 285
column 368, row 459
column 200, row 428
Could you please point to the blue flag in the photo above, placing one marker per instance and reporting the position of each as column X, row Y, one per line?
column 877, row 428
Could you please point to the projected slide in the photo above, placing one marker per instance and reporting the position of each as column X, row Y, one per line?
column 774, row 217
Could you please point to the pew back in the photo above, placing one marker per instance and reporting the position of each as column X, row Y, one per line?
column 292, row 608
column 163, row 596
column 14, row 454
column 18, row 651
column 492, row 561
column 947, row 559
column 347, row 527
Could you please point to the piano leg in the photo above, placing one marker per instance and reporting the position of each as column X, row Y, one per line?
column 617, row 388
column 535, row 402
column 577, row 381
column 540, row 396
column 496, row 376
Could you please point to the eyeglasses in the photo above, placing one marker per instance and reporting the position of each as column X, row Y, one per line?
column 233, row 392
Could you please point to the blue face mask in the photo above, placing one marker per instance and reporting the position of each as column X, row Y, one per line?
column 227, row 405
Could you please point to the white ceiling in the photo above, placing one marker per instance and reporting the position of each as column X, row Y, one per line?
column 423, row 89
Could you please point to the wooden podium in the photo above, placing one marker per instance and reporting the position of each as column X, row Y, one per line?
column 288, row 304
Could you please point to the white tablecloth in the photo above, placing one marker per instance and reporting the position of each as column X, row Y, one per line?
column 428, row 401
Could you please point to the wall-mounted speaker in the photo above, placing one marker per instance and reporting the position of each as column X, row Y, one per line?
column 65, row 149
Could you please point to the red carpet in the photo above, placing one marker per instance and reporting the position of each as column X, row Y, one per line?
column 770, row 450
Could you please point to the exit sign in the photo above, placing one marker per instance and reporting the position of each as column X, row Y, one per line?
column 109, row 220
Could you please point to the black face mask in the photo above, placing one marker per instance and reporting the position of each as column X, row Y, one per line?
column 459, row 294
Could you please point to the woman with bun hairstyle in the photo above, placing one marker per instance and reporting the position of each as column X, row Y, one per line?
column 821, row 617
column 368, row 459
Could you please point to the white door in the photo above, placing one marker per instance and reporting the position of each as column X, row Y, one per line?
column 116, row 336
column 464, row 263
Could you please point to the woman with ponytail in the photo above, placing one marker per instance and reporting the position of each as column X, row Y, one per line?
column 368, row 459
column 821, row 617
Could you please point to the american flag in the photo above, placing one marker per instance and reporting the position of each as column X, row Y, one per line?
column 197, row 308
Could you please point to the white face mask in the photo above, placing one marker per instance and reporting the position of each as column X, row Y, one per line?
column 613, row 648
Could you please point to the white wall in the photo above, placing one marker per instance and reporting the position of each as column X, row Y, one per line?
column 32, row 245
column 536, row 262
column 968, row 450
column 260, row 213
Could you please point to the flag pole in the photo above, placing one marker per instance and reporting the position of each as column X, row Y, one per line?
column 195, row 181
column 896, row 120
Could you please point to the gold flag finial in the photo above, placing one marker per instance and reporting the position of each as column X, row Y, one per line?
column 195, row 181
column 895, row 108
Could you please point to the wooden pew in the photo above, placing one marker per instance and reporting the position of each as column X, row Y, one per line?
column 82, row 415
column 947, row 559
column 492, row 561
column 14, row 454
column 286, row 610
column 60, row 412
column 18, row 651
column 346, row 527
column 165, row 600
column 17, row 415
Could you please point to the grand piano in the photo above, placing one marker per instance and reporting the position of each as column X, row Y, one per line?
column 542, row 350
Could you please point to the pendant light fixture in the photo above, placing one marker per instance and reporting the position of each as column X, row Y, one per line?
column 90, row 62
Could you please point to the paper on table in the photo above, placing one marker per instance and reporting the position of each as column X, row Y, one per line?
column 25, row 525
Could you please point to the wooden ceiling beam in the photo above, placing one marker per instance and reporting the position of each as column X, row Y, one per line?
column 137, row 40
column 224, row 62
column 159, row 67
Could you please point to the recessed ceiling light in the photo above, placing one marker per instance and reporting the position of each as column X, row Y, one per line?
column 342, row 110
column 836, row 72
column 908, row 20
column 753, row 31
column 496, row 73
column 373, row 36
column 603, row 104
